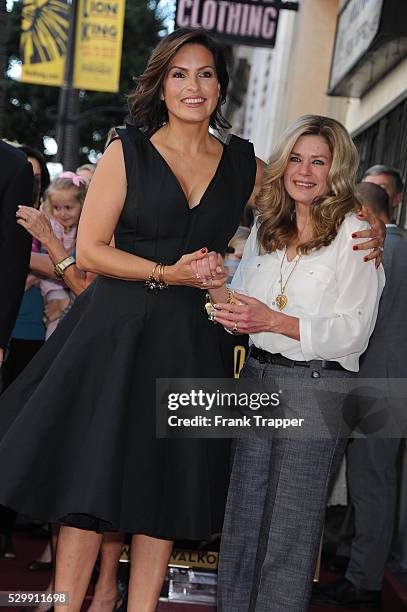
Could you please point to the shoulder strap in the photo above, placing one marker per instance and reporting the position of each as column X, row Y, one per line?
column 240, row 144
column 244, row 162
column 129, row 136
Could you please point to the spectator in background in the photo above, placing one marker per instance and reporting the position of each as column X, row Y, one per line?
column 16, row 187
column 41, row 173
column 86, row 171
column 371, row 467
column 106, row 594
column 29, row 332
column 64, row 199
column 390, row 180
column 235, row 250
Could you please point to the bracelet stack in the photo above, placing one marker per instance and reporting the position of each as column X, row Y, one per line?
column 155, row 281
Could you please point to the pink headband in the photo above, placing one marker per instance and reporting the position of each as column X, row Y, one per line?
column 75, row 178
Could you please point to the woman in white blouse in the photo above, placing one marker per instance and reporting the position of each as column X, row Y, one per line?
column 309, row 304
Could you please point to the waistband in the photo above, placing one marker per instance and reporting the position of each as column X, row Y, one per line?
column 263, row 356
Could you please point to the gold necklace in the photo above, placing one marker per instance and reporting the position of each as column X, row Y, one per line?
column 282, row 299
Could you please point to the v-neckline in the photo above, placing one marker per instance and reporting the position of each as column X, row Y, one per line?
column 177, row 181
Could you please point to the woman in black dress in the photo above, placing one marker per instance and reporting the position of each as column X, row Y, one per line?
column 78, row 426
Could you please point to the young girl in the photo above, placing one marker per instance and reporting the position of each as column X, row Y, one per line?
column 63, row 202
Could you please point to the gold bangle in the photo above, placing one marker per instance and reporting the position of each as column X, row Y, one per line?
column 152, row 275
column 156, row 283
column 210, row 305
column 161, row 274
column 231, row 298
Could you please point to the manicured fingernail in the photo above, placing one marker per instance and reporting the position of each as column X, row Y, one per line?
column 204, row 250
column 353, row 235
column 365, row 259
column 219, row 269
column 355, row 248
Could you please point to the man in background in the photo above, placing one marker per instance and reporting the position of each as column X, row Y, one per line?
column 390, row 180
column 16, row 187
column 372, row 461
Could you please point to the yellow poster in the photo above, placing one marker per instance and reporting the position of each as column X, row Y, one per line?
column 98, row 44
column 44, row 36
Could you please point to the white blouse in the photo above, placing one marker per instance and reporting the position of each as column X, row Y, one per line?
column 333, row 292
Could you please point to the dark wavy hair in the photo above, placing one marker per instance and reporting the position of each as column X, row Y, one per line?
column 45, row 177
column 147, row 110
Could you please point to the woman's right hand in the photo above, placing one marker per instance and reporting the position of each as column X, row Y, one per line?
column 200, row 269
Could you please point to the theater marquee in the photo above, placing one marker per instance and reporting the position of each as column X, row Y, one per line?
column 251, row 22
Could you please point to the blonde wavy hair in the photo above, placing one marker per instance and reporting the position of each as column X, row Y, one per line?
column 277, row 221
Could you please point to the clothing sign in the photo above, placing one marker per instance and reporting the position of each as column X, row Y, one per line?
column 357, row 26
column 243, row 22
column 43, row 42
column 98, row 45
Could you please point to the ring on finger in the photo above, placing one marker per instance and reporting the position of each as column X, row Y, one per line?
column 234, row 328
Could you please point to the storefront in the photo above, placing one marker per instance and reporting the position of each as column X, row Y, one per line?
column 385, row 142
column 369, row 67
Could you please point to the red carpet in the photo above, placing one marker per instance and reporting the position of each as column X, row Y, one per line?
column 14, row 576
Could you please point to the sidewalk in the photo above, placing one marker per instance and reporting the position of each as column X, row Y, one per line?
column 15, row 576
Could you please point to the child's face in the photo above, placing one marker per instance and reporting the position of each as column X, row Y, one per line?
column 65, row 208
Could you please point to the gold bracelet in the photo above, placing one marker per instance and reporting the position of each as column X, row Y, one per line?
column 156, row 283
column 210, row 305
column 160, row 273
column 232, row 299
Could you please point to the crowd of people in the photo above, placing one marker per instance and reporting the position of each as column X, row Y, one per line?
column 178, row 238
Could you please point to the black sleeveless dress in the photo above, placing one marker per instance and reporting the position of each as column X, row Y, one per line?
column 77, row 428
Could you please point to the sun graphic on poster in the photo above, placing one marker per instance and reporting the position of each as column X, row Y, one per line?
column 44, row 28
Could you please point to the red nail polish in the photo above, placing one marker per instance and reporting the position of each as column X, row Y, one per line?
column 353, row 235
column 204, row 250
column 355, row 248
column 365, row 259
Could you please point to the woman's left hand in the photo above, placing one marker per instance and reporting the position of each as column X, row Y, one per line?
column 36, row 223
column 376, row 233
column 249, row 317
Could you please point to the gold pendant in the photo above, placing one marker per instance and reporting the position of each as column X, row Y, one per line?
column 281, row 301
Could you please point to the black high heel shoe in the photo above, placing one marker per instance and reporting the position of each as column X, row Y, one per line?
column 37, row 566
column 7, row 552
